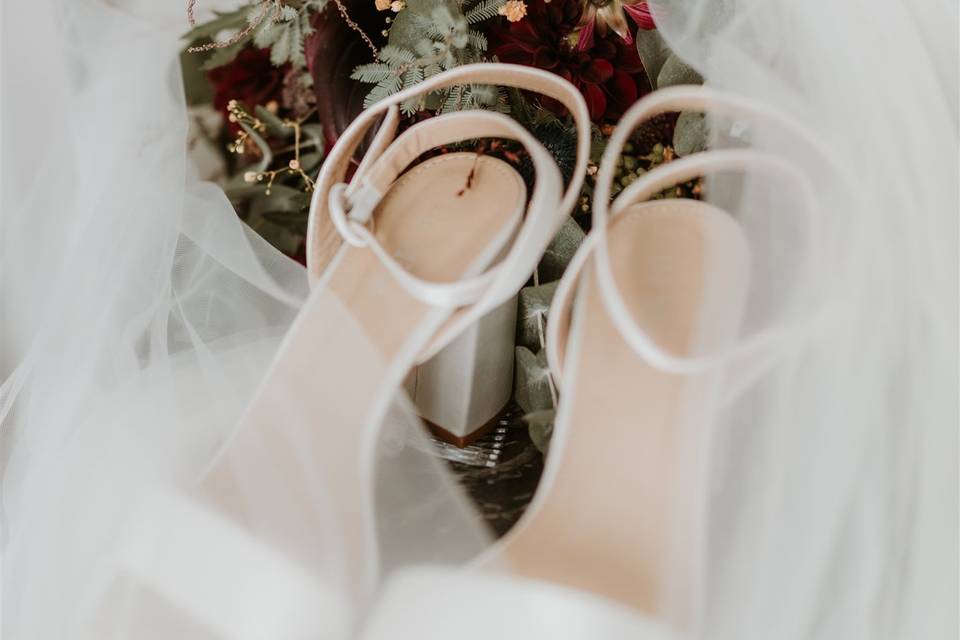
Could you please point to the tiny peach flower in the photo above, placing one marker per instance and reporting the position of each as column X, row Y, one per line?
column 382, row 5
column 398, row 5
column 514, row 10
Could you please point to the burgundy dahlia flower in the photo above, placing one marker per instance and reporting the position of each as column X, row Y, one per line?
column 607, row 70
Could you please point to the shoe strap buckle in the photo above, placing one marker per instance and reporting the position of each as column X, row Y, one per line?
column 350, row 213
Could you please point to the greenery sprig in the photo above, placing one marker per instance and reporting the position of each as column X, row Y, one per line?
column 428, row 38
column 278, row 25
column 253, row 128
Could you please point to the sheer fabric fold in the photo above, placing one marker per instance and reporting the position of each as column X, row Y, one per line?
column 832, row 495
column 139, row 318
column 139, row 315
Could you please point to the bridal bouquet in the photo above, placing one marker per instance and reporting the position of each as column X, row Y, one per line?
column 279, row 80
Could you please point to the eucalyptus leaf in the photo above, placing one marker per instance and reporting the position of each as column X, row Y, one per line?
column 690, row 133
column 560, row 251
column 540, row 426
column 531, row 384
column 653, row 51
column 284, row 43
column 675, row 71
column 274, row 124
column 310, row 161
column 532, row 306
column 313, row 133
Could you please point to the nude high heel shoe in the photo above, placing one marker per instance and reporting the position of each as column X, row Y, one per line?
column 461, row 383
column 645, row 313
column 407, row 257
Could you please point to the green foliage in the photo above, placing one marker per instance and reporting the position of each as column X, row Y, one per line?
column 483, row 10
column 279, row 217
column 540, row 426
column 428, row 37
column 690, row 134
column 531, row 385
column 284, row 32
column 274, row 124
column 665, row 69
column 222, row 56
column 653, row 52
column 278, row 25
column 560, row 250
column 532, row 307
column 675, row 71
column 232, row 20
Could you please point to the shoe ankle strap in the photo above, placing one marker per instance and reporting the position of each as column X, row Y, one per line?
column 323, row 240
column 338, row 213
column 595, row 247
column 350, row 213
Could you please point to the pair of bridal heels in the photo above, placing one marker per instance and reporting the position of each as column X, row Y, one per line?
column 409, row 257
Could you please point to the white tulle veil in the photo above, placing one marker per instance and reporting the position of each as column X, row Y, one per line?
column 833, row 496
column 138, row 315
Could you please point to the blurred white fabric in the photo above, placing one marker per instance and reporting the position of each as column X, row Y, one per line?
column 138, row 315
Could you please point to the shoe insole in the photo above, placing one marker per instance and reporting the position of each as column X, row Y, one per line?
column 616, row 493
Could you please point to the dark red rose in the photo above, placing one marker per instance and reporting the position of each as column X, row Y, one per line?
column 608, row 72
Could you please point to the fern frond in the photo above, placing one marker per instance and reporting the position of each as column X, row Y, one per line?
column 397, row 56
column 477, row 40
column 453, row 100
column 384, row 88
column 484, row 10
column 297, row 55
column 410, row 107
column 503, row 101
column 284, row 47
column 305, row 27
column 372, row 73
column 412, row 76
column 445, row 41
column 266, row 34
column 483, row 95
